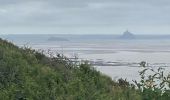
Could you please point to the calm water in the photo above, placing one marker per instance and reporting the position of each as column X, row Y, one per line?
column 127, row 53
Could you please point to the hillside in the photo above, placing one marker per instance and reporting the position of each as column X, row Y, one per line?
column 26, row 74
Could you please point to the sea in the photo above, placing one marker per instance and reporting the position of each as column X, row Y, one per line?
column 112, row 56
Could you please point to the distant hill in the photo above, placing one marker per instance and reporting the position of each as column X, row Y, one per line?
column 127, row 35
column 57, row 39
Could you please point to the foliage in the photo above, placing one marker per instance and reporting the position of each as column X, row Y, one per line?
column 155, row 85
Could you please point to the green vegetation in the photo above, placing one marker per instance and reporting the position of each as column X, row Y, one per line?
column 26, row 74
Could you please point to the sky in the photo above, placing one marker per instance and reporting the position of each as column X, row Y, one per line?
column 84, row 16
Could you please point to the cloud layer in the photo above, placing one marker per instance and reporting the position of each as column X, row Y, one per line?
column 84, row 16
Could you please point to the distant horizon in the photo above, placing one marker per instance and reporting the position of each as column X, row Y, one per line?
column 85, row 34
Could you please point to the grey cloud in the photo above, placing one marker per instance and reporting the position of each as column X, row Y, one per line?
column 84, row 13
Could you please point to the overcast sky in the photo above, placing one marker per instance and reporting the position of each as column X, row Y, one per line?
column 84, row 16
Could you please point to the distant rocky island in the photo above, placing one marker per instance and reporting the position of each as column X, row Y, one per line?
column 127, row 35
column 57, row 39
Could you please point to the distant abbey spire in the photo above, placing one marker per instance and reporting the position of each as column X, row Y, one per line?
column 127, row 35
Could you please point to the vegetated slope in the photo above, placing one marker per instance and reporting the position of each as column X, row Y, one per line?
column 28, row 75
